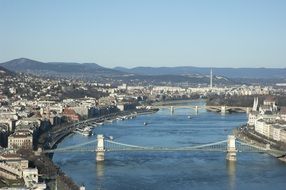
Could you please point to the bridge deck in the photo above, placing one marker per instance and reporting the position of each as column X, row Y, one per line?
column 211, row 108
column 112, row 146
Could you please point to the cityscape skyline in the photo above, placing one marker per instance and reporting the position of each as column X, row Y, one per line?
column 161, row 33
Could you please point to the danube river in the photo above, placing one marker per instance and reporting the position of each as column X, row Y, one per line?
column 171, row 170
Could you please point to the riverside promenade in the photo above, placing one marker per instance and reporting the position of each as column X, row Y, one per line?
column 247, row 135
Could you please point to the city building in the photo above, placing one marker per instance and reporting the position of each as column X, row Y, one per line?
column 20, row 139
column 71, row 114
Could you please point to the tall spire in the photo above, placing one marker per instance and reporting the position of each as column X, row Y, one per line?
column 255, row 104
column 211, row 79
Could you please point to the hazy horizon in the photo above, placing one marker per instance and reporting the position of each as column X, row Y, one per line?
column 71, row 62
column 217, row 34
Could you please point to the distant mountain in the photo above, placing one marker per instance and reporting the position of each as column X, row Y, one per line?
column 177, row 80
column 32, row 66
column 227, row 72
column 146, row 75
column 161, row 70
column 5, row 72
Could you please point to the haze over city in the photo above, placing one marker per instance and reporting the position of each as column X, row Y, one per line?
column 146, row 33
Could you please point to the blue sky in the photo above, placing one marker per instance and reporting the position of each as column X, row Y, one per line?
column 208, row 33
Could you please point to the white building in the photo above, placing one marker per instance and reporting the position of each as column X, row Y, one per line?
column 283, row 135
column 283, row 113
column 8, row 123
column 36, row 122
column 14, row 160
column 168, row 89
column 31, row 179
column 123, row 87
column 262, row 127
column 276, row 135
column 20, row 140
column 252, row 117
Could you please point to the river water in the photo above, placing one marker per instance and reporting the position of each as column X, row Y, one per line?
column 171, row 170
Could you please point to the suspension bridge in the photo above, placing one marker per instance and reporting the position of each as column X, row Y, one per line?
column 230, row 146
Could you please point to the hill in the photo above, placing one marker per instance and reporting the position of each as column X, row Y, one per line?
column 55, row 68
column 176, row 80
column 145, row 75
column 248, row 73
column 5, row 72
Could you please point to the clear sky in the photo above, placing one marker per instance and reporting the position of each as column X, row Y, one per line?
column 215, row 33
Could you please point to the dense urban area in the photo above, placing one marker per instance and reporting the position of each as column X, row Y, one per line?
column 37, row 112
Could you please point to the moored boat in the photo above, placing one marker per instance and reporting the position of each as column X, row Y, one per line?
column 85, row 131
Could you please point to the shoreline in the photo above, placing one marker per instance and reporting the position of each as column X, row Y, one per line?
column 247, row 137
column 61, row 175
column 103, row 118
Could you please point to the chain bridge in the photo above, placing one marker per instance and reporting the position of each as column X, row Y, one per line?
column 101, row 145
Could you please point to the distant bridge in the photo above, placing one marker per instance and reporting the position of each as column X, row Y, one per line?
column 101, row 145
column 222, row 109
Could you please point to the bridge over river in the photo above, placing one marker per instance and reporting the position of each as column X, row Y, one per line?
column 222, row 109
column 101, row 145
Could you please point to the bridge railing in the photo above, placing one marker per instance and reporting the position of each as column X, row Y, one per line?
column 83, row 147
column 246, row 147
column 116, row 146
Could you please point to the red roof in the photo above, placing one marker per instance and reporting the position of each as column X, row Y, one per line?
column 283, row 110
column 68, row 111
column 269, row 99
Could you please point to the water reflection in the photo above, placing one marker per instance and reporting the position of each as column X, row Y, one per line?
column 231, row 171
column 99, row 169
column 99, row 175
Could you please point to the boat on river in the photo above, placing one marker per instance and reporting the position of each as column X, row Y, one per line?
column 86, row 131
column 109, row 120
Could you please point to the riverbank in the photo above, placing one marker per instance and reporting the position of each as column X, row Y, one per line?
column 54, row 136
column 247, row 135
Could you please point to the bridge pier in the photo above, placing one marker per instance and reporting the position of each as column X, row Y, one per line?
column 231, row 149
column 223, row 109
column 172, row 109
column 247, row 110
column 100, row 148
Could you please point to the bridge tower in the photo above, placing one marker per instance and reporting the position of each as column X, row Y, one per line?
column 172, row 109
column 211, row 79
column 100, row 148
column 231, row 149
